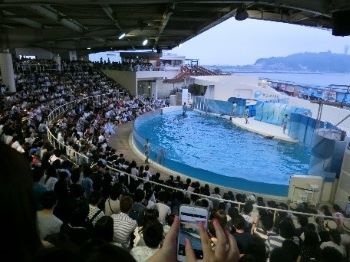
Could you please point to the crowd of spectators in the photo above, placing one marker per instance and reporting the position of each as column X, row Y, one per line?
column 126, row 65
column 28, row 66
column 93, row 213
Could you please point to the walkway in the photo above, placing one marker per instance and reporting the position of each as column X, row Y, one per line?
column 264, row 129
column 120, row 142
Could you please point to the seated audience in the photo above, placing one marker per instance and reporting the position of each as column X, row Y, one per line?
column 152, row 236
column 48, row 223
column 124, row 226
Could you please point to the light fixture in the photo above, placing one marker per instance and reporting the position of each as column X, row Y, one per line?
column 241, row 13
column 88, row 48
column 145, row 42
column 122, row 35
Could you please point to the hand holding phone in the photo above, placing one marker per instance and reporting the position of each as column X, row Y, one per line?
column 191, row 218
column 226, row 249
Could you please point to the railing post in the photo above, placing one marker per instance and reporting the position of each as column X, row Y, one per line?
column 274, row 215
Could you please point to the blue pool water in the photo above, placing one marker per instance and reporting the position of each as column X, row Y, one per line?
column 212, row 149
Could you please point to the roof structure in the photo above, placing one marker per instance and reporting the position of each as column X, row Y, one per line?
column 82, row 24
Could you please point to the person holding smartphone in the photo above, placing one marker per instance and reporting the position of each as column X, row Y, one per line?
column 191, row 218
column 226, row 249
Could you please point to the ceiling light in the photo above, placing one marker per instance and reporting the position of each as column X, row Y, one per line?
column 145, row 42
column 88, row 48
column 241, row 14
column 121, row 36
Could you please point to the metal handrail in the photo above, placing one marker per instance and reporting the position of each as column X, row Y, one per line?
column 76, row 160
column 239, row 204
column 75, row 156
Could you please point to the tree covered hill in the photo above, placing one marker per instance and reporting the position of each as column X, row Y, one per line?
column 306, row 62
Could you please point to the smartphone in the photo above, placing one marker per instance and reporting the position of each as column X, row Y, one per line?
column 190, row 217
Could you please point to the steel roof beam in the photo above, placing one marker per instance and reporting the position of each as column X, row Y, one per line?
column 58, row 17
column 165, row 19
column 109, row 12
column 24, row 21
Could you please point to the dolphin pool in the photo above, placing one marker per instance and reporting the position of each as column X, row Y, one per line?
column 212, row 149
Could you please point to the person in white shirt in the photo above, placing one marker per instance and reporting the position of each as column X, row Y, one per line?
column 152, row 236
column 216, row 193
column 112, row 204
column 247, row 210
column 147, row 150
column 335, row 242
column 147, row 174
column 17, row 146
column 134, row 171
column 49, row 179
column 150, row 199
column 48, row 223
column 101, row 139
column 163, row 209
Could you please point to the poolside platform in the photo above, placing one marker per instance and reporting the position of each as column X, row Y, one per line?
column 267, row 130
column 120, row 142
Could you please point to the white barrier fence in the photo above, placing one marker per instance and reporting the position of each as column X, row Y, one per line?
column 73, row 155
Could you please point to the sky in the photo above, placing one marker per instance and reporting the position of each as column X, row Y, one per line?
column 243, row 42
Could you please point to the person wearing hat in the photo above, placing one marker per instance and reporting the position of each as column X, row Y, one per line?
column 329, row 225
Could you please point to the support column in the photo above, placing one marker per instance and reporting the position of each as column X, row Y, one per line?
column 154, row 87
column 137, row 88
column 57, row 59
column 84, row 58
column 73, row 55
column 6, row 68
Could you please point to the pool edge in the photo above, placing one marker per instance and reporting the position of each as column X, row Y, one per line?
column 176, row 173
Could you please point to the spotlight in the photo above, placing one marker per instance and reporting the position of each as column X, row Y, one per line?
column 145, row 42
column 241, row 14
column 88, row 48
column 121, row 36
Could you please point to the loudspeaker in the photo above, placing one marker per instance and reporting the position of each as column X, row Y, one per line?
column 341, row 23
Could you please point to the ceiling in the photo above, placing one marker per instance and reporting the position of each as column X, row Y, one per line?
column 96, row 24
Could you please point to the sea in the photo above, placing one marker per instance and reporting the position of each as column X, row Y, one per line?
column 307, row 79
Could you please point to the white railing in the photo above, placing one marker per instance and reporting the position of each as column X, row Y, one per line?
column 72, row 154
column 79, row 158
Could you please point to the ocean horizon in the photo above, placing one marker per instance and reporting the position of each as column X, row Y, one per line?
column 308, row 79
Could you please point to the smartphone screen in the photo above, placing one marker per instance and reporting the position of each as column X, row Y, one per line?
column 189, row 220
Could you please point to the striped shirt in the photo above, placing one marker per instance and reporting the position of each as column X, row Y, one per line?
column 93, row 212
column 274, row 240
column 261, row 233
column 123, row 226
